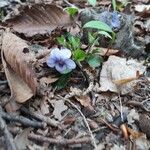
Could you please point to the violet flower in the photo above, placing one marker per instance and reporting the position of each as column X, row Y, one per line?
column 115, row 20
column 60, row 60
column 111, row 18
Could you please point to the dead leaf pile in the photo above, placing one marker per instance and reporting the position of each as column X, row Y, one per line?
column 17, row 58
column 39, row 19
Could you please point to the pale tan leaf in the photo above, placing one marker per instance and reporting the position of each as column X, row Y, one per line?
column 107, row 52
column 40, row 19
column 16, row 58
column 48, row 80
column 85, row 101
column 119, row 74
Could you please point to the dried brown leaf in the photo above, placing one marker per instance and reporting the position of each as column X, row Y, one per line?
column 108, row 52
column 85, row 101
column 134, row 134
column 16, row 58
column 39, row 19
column 48, row 80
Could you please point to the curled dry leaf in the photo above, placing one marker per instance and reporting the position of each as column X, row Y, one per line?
column 107, row 52
column 120, row 75
column 39, row 19
column 16, row 58
column 85, row 101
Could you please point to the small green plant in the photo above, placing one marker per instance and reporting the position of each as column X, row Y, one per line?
column 74, row 44
column 118, row 6
column 78, row 55
column 1, row 13
column 73, row 11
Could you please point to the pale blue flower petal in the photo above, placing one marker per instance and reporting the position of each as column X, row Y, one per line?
column 54, row 52
column 51, row 62
column 60, row 60
column 60, row 69
column 70, row 64
column 115, row 20
column 65, row 53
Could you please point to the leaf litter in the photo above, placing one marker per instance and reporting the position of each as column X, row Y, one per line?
column 105, row 108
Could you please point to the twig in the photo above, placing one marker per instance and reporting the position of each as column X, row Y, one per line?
column 121, row 111
column 85, row 121
column 40, row 117
column 69, row 4
column 110, row 126
column 20, row 119
column 7, row 136
column 3, row 82
column 59, row 141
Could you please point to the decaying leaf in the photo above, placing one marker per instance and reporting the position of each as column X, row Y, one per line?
column 127, row 80
column 85, row 101
column 132, row 117
column 134, row 134
column 44, row 107
column 143, row 10
column 21, row 140
column 144, row 123
column 48, row 80
column 39, row 19
column 142, row 143
column 59, row 107
column 107, row 52
column 16, row 58
column 118, row 70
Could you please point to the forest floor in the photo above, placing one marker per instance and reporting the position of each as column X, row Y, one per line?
column 102, row 102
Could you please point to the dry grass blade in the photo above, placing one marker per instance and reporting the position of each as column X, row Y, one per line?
column 40, row 19
column 17, row 58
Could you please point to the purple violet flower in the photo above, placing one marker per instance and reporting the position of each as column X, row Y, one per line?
column 115, row 21
column 111, row 18
column 60, row 59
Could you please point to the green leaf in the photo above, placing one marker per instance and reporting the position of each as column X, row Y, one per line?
column 72, row 10
column 105, row 33
column 94, row 60
column 79, row 55
column 92, row 2
column 98, row 25
column 91, row 38
column 62, row 81
column 61, row 40
column 114, row 5
column 74, row 41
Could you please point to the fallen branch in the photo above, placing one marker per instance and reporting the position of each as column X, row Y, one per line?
column 3, row 82
column 7, row 136
column 22, row 120
column 63, row 141
column 49, row 121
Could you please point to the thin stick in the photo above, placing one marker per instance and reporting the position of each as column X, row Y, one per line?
column 3, row 82
column 121, row 111
column 69, row 4
column 7, row 136
column 59, row 141
column 23, row 120
column 85, row 121
column 40, row 117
